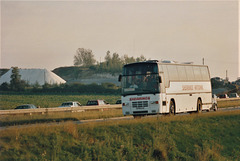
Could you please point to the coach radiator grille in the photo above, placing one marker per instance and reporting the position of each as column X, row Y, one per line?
column 140, row 104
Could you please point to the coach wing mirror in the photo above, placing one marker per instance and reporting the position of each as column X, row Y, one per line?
column 160, row 79
column 120, row 78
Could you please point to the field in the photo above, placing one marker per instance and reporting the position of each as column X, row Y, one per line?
column 10, row 101
column 211, row 136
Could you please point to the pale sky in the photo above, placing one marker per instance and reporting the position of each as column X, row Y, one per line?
column 46, row 34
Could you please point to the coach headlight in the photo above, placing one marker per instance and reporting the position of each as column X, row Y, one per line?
column 154, row 102
column 125, row 104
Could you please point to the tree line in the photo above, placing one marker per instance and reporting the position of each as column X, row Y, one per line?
column 112, row 62
column 18, row 85
column 74, row 88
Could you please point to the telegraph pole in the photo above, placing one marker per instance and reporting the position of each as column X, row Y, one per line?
column 203, row 61
column 227, row 76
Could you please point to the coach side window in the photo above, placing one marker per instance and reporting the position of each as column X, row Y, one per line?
column 189, row 72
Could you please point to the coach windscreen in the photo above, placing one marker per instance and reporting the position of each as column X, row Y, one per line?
column 140, row 78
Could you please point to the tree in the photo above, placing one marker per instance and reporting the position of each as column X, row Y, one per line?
column 117, row 62
column 16, row 84
column 4, row 87
column 141, row 58
column 128, row 60
column 113, row 62
column 108, row 59
column 84, row 57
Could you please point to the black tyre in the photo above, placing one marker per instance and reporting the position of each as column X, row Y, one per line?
column 199, row 106
column 215, row 108
column 172, row 108
column 137, row 116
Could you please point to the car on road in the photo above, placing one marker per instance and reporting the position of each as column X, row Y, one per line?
column 233, row 95
column 97, row 103
column 214, row 96
column 26, row 106
column 214, row 102
column 223, row 96
column 119, row 102
column 71, row 104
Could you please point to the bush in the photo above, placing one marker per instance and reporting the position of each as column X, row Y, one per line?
column 5, row 87
column 105, row 88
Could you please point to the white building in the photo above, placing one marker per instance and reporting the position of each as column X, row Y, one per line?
column 33, row 76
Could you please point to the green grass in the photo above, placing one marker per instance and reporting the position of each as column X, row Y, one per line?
column 211, row 136
column 10, row 101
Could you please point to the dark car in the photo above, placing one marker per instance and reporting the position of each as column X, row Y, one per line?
column 27, row 106
column 119, row 102
column 223, row 96
column 97, row 103
column 233, row 95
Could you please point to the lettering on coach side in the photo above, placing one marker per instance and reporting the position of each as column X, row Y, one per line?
column 139, row 98
column 192, row 87
column 198, row 87
column 187, row 87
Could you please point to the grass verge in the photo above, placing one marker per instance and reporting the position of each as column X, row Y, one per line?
column 213, row 136
column 9, row 120
column 228, row 103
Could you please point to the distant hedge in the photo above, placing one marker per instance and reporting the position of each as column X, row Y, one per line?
column 104, row 88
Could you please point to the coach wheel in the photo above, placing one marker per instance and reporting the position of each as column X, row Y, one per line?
column 215, row 108
column 199, row 106
column 137, row 116
column 172, row 108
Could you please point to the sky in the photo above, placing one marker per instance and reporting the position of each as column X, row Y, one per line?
column 46, row 34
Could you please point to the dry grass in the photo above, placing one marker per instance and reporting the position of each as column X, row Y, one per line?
column 58, row 117
column 228, row 103
column 66, row 116
column 207, row 152
column 69, row 126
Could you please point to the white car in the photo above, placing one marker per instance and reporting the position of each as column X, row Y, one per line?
column 214, row 102
column 233, row 95
column 71, row 104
